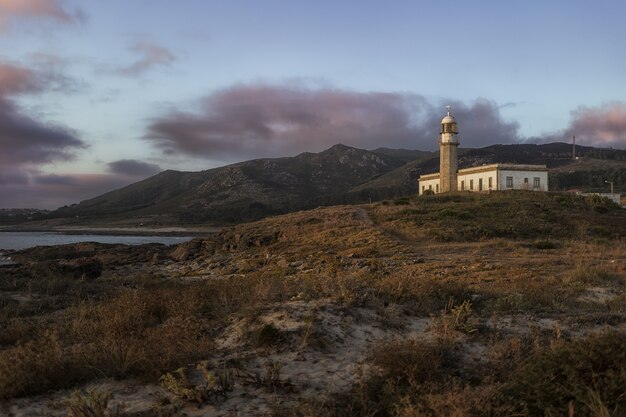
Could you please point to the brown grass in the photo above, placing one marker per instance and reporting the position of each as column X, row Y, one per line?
column 400, row 261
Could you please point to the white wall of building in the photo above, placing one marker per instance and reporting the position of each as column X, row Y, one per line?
column 519, row 180
column 469, row 179
column 429, row 184
column 465, row 181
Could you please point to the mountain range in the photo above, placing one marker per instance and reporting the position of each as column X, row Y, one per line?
column 341, row 174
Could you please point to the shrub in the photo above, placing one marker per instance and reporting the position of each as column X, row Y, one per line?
column 94, row 404
column 401, row 201
column 214, row 386
column 454, row 318
column 37, row 366
column 545, row 244
column 413, row 360
column 591, row 373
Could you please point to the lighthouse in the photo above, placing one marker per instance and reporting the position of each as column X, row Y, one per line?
column 448, row 158
column 494, row 177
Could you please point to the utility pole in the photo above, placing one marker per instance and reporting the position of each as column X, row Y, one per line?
column 574, row 147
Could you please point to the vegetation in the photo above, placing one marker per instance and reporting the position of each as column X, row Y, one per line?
column 255, row 189
column 446, row 305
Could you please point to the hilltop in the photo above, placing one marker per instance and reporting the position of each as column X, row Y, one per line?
column 339, row 175
column 495, row 304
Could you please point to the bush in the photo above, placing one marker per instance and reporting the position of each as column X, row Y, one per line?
column 591, row 373
column 94, row 404
column 37, row 366
column 545, row 244
column 413, row 360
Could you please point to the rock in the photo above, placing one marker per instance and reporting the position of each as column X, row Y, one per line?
column 187, row 250
column 88, row 267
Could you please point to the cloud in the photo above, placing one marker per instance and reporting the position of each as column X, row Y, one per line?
column 17, row 80
column 42, row 76
column 133, row 168
column 54, row 179
column 602, row 126
column 150, row 55
column 11, row 10
column 27, row 143
column 24, row 140
column 276, row 120
column 52, row 191
column 11, row 175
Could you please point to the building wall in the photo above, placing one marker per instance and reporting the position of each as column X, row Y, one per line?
column 518, row 180
column 466, row 179
column 426, row 184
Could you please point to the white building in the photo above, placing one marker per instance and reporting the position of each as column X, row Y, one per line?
column 483, row 178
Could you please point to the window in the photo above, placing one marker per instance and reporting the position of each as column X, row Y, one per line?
column 462, row 185
column 480, row 184
column 471, row 184
column 536, row 182
column 490, row 183
column 430, row 187
column 509, row 182
column 437, row 188
column 423, row 188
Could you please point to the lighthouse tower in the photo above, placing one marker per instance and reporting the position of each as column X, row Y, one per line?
column 448, row 159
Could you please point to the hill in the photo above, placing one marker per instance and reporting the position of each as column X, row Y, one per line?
column 246, row 190
column 341, row 174
column 460, row 304
column 588, row 172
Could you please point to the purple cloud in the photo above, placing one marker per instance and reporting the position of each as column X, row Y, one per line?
column 133, row 168
column 24, row 140
column 150, row 55
column 11, row 175
column 53, row 191
column 273, row 120
column 27, row 143
column 54, row 179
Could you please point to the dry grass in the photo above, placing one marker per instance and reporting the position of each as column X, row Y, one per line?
column 400, row 261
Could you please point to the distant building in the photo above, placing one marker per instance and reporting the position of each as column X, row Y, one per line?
column 501, row 176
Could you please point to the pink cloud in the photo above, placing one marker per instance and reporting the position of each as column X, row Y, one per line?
column 604, row 125
column 150, row 55
column 17, row 80
column 49, row 9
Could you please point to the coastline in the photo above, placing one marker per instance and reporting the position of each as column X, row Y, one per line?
column 118, row 231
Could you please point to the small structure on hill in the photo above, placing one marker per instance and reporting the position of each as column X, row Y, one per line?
column 500, row 176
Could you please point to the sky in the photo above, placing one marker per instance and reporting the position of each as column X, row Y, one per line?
column 95, row 95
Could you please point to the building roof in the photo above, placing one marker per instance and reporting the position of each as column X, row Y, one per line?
column 429, row 176
column 448, row 119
